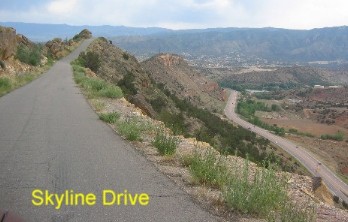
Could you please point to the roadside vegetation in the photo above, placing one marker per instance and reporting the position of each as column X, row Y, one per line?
column 10, row 83
column 248, row 107
column 109, row 117
column 165, row 144
column 29, row 55
column 262, row 193
column 94, row 87
column 33, row 55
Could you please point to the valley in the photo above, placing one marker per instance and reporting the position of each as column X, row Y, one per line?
column 176, row 99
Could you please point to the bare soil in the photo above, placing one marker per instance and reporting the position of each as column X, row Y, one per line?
column 307, row 126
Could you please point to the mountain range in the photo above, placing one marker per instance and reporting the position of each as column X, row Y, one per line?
column 235, row 46
column 46, row 32
column 245, row 46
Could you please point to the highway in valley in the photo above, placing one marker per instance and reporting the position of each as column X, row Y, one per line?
column 60, row 163
column 315, row 167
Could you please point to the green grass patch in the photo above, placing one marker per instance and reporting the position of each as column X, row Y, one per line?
column 166, row 144
column 5, row 85
column 109, row 117
column 259, row 195
column 296, row 132
column 131, row 129
column 290, row 212
column 111, row 91
column 207, row 169
column 9, row 84
column 95, row 87
column 262, row 192
column 247, row 109
column 338, row 136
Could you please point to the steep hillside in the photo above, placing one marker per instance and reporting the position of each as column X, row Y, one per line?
column 119, row 67
column 167, row 89
column 141, row 81
column 181, row 79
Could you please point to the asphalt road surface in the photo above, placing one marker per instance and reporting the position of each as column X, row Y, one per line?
column 336, row 185
column 50, row 139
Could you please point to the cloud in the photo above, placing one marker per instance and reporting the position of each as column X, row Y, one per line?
column 298, row 14
column 61, row 7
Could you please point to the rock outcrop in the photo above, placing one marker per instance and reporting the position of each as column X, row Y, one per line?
column 21, row 39
column 8, row 43
column 181, row 79
column 85, row 34
column 56, row 47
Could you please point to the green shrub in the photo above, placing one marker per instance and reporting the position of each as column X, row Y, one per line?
column 131, row 129
column 338, row 136
column 207, row 169
column 125, row 56
column 290, row 212
column 109, row 117
column 127, row 84
column 345, row 205
column 80, row 78
column 165, row 144
column 95, row 84
column 90, row 60
column 158, row 104
column 275, row 108
column 295, row 131
column 2, row 64
column 261, row 195
column 29, row 55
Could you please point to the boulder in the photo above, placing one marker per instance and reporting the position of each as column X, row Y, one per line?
column 84, row 34
column 55, row 47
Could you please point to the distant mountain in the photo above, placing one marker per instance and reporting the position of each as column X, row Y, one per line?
column 245, row 45
column 45, row 32
column 219, row 46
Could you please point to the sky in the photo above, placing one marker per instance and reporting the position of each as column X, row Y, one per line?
column 180, row 14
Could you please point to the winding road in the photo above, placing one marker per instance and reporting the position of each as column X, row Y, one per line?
column 51, row 139
column 336, row 185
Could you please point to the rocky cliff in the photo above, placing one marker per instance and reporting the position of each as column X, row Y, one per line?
column 8, row 42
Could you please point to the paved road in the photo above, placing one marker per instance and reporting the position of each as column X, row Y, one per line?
column 336, row 185
column 51, row 139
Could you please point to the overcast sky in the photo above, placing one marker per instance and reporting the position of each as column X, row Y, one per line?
column 180, row 14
